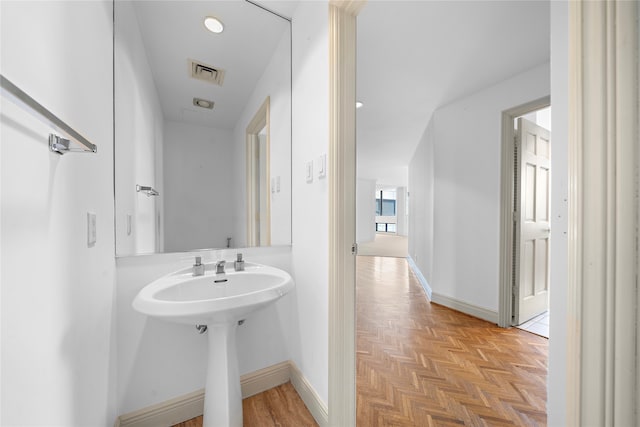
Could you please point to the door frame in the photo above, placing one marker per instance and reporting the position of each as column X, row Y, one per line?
column 603, row 372
column 260, row 120
column 505, row 311
column 342, row 211
column 603, row 56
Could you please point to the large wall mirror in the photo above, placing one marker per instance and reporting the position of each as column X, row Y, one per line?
column 202, row 126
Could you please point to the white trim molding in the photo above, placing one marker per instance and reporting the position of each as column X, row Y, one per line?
column 602, row 372
column 309, row 396
column 167, row 413
column 470, row 309
column 342, row 210
column 191, row 405
column 266, row 378
column 420, row 277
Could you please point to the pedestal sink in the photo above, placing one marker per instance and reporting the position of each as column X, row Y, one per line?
column 219, row 301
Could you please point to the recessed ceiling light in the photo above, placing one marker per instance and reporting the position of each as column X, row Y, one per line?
column 359, row 104
column 213, row 24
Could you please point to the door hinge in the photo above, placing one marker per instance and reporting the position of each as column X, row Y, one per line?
column 515, row 216
column 354, row 249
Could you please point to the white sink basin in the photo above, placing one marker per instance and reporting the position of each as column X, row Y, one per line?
column 218, row 301
column 212, row 298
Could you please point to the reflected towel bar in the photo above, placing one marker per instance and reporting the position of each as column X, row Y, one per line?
column 57, row 144
column 149, row 191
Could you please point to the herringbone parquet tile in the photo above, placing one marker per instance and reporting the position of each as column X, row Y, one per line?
column 421, row 364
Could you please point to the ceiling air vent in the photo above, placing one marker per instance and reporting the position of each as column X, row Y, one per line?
column 208, row 73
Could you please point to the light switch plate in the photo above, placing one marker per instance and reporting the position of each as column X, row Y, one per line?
column 129, row 224
column 91, row 229
column 322, row 166
column 278, row 183
column 309, row 167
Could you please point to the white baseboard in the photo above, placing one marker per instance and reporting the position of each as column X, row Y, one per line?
column 191, row 405
column 309, row 396
column 470, row 309
column 167, row 413
column 264, row 379
column 421, row 278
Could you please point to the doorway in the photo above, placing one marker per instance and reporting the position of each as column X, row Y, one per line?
column 525, row 219
column 258, row 176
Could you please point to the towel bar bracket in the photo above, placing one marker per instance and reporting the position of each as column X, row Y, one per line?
column 60, row 145
column 149, row 191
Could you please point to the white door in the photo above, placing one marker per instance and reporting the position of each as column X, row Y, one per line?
column 532, row 224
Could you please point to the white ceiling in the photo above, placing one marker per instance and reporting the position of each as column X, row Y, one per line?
column 283, row 8
column 173, row 32
column 416, row 56
column 413, row 57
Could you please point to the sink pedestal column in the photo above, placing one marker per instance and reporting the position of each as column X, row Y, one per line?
column 222, row 395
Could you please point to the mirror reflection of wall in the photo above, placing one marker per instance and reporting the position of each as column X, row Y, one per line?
column 186, row 137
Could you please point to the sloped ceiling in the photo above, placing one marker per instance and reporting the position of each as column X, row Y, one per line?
column 416, row 56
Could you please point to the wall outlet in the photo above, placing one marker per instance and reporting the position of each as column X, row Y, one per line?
column 91, row 229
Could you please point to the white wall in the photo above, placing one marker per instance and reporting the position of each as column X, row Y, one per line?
column 365, row 210
column 310, row 200
column 275, row 83
column 385, row 175
column 421, row 180
column 401, row 211
column 466, row 137
column 198, row 196
column 139, row 133
column 160, row 360
column 556, row 384
column 57, row 338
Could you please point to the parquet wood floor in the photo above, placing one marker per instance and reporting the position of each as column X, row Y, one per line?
column 277, row 407
column 421, row 364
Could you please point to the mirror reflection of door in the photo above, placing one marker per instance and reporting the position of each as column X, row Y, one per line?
column 258, row 177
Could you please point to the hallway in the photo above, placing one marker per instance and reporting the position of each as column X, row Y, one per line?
column 424, row 364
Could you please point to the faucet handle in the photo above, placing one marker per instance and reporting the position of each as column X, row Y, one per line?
column 239, row 263
column 198, row 267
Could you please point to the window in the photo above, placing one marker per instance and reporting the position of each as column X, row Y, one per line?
column 386, row 206
column 385, row 203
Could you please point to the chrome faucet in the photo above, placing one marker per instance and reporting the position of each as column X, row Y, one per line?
column 220, row 267
column 198, row 267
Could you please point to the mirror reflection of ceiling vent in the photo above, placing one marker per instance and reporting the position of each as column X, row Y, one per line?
column 203, row 103
column 208, row 73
